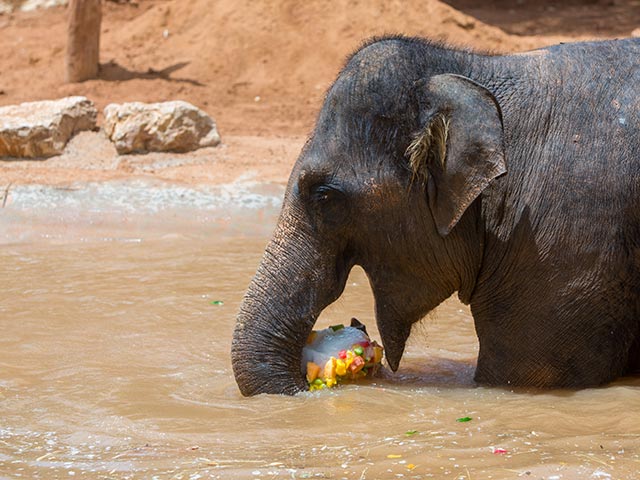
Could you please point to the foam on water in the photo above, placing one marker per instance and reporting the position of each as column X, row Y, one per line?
column 143, row 197
column 137, row 207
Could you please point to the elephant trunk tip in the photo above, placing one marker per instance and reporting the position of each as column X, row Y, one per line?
column 263, row 364
column 257, row 373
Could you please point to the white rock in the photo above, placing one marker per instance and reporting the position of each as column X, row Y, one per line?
column 159, row 127
column 29, row 5
column 42, row 129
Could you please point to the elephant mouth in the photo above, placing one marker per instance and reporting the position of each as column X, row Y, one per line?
column 394, row 327
column 393, row 355
column 269, row 338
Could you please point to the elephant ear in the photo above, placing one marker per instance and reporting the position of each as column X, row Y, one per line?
column 459, row 150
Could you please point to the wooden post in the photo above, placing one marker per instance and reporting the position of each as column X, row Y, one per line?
column 83, row 47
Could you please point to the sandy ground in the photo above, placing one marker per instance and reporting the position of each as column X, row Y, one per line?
column 259, row 68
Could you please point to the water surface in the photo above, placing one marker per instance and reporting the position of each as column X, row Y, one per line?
column 114, row 363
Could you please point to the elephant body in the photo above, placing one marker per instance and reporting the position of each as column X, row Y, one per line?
column 511, row 179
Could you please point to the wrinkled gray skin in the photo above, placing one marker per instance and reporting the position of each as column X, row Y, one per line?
column 531, row 213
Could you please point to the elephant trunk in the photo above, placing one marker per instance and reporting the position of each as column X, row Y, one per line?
column 294, row 283
column 267, row 342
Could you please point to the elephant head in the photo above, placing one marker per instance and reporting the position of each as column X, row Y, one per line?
column 400, row 151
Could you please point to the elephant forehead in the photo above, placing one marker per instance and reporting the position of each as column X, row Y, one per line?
column 372, row 56
column 378, row 93
column 376, row 80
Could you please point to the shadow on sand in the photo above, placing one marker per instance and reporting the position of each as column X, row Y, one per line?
column 113, row 72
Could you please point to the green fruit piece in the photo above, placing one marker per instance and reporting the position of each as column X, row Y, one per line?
column 358, row 350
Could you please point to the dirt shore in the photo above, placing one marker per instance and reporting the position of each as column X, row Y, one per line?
column 259, row 68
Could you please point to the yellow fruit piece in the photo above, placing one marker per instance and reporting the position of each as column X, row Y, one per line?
column 377, row 354
column 313, row 370
column 350, row 357
column 341, row 368
column 329, row 374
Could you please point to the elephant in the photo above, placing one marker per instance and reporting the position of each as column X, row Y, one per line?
column 511, row 179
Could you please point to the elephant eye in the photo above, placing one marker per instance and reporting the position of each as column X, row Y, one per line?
column 328, row 203
column 325, row 193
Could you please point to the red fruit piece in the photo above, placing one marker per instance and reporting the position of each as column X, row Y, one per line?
column 356, row 365
column 342, row 354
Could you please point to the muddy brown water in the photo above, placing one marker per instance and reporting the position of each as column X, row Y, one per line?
column 114, row 363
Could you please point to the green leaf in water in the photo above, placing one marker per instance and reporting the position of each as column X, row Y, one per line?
column 409, row 433
column 217, row 302
column 464, row 419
